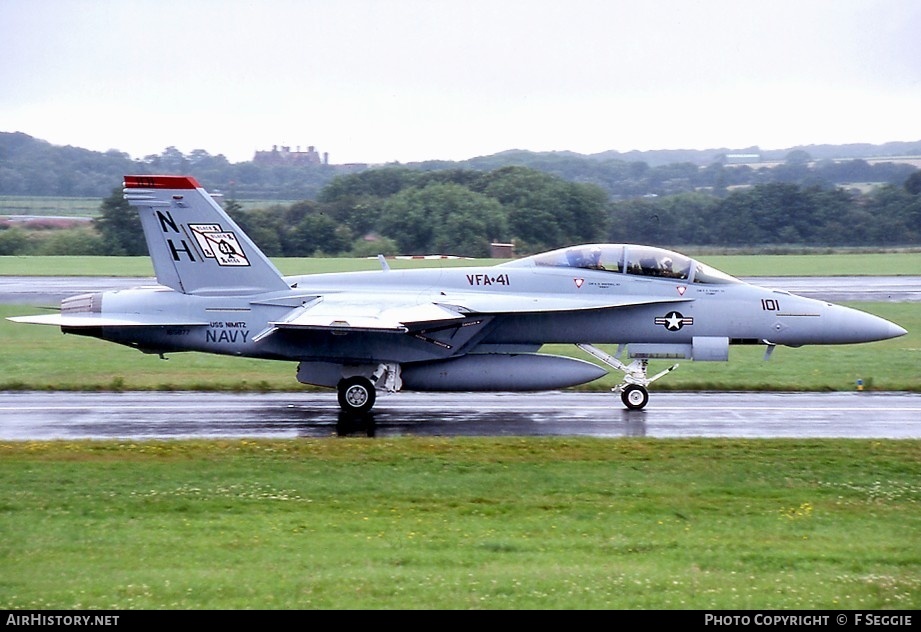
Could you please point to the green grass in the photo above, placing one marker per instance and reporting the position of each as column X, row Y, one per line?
column 842, row 264
column 461, row 523
column 49, row 206
column 40, row 357
column 846, row 264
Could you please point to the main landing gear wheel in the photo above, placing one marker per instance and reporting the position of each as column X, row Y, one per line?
column 634, row 396
column 356, row 394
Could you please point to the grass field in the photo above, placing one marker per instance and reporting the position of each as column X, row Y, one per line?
column 842, row 264
column 461, row 523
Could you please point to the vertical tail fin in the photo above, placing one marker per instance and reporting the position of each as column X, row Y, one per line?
column 195, row 247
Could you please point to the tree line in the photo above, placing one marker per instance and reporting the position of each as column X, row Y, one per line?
column 398, row 210
column 32, row 167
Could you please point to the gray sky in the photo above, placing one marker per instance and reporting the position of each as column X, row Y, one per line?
column 408, row 80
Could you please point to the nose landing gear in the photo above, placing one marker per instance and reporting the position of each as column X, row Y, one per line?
column 633, row 390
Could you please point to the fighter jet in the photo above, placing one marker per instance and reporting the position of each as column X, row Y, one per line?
column 439, row 329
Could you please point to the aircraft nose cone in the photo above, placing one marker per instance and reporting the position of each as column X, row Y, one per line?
column 863, row 327
column 884, row 329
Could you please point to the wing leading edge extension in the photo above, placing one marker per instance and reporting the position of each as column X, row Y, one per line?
column 492, row 303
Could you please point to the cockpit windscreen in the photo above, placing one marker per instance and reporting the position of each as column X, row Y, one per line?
column 648, row 261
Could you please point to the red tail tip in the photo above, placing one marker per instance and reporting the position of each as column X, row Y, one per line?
column 161, row 182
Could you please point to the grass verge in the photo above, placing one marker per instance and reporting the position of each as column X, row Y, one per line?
column 838, row 264
column 461, row 523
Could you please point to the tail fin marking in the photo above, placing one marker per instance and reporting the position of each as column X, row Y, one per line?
column 194, row 245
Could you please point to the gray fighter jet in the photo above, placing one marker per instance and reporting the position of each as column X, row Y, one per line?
column 439, row 329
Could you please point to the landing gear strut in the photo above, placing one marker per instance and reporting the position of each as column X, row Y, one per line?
column 633, row 391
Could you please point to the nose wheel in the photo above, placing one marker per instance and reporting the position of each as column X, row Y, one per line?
column 634, row 396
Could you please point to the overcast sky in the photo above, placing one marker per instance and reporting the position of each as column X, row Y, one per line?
column 409, row 80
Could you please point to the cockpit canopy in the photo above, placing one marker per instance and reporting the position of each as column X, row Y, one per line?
column 646, row 261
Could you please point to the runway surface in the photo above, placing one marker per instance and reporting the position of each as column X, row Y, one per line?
column 145, row 415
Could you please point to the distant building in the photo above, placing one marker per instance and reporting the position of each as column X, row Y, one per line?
column 501, row 250
column 742, row 159
column 284, row 156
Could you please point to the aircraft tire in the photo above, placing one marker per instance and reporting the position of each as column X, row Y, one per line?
column 356, row 394
column 635, row 397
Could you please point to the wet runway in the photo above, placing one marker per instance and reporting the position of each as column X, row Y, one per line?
column 143, row 416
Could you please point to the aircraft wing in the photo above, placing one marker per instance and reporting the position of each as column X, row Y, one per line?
column 108, row 320
column 361, row 312
column 350, row 311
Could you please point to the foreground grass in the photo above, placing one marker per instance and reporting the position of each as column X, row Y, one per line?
column 35, row 357
column 461, row 523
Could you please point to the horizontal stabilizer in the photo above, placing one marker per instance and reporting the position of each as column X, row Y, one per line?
column 107, row 320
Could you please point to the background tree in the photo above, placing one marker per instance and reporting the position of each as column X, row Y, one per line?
column 119, row 225
column 913, row 183
column 443, row 219
column 545, row 211
column 798, row 157
column 264, row 226
column 317, row 233
column 667, row 221
column 895, row 217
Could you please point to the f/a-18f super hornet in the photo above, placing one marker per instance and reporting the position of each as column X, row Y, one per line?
column 439, row 329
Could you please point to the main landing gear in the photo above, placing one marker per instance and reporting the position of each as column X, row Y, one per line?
column 356, row 394
column 633, row 391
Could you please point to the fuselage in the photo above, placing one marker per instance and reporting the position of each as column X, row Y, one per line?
column 473, row 328
column 694, row 302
